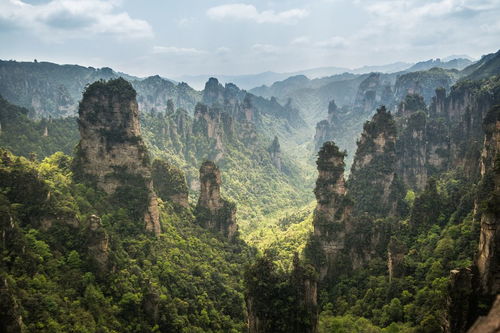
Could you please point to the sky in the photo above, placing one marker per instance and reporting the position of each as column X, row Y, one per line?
column 173, row 38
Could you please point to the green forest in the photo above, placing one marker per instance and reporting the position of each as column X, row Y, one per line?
column 220, row 211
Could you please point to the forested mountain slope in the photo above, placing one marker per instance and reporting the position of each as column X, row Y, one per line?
column 409, row 242
column 78, row 256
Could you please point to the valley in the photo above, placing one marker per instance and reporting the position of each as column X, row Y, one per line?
column 354, row 202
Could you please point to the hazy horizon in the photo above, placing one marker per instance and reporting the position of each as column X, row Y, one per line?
column 192, row 38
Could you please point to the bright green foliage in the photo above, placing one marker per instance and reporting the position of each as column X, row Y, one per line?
column 249, row 177
column 187, row 280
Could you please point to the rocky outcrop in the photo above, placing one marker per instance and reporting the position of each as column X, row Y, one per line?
column 326, row 130
column 169, row 183
column 247, row 118
column 423, row 83
column 374, row 184
column 213, row 212
column 216, row 125
column 396, row 251
column 488, row 258
column 155, row 92
column 462, row 291
column 489, row 323
column 275, row 153
column 423, row 142
column 332, row 209
column 97, row 243
column 368, row 93
column 213, row 92
column 111, row 153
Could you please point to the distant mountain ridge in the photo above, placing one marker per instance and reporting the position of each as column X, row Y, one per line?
column 249, row 81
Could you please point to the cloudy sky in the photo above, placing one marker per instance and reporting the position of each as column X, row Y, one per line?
column 188, row 37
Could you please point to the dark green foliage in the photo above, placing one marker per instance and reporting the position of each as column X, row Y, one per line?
column 412, row 102
column 278, row 300
column 35, row 138
column 119, row 87
column 168, row 180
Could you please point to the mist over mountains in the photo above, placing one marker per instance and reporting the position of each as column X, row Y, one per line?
column 267, row 78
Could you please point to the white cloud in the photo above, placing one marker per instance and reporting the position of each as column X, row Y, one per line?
column 177, row 50
column 333, row 42
column 63, row 19
column 265, row 48
column 240, row 11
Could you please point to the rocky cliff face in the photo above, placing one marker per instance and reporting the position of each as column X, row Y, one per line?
column 368, row 93
column 489, row 323
column 396, row 251
column 97, row 243
column 327, row 130
column 154, row 92
column 213, row 212
column 332, row 208
column 424, row 83
column 111, row 153
column 214, row 124
column 462, row 299
column 488, row 259
column 373, row 182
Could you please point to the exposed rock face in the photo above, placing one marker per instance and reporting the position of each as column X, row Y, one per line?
column 215, row 125
column 111, row 152
column 213, row 92
column 438, row 104
column 332, row 206
column 367, row 95
column 247, row 117
column 423, row 142
column 275, row 152
column 97, row 243
column 170, row 183
column 154, row 94
column 462, row 300
column 213, row 212
column 488, row 259
column 423, row 83
column 395, row 255
column 373, row 182
column 490, row 323
column 326, row 130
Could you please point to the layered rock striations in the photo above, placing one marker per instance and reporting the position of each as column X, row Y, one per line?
column 212, row 211
column 488, row 258
column 332, row 210
column 216, row 125
column 373, row 183
column 328, row 129
column 422, row 144
column 111, row 153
